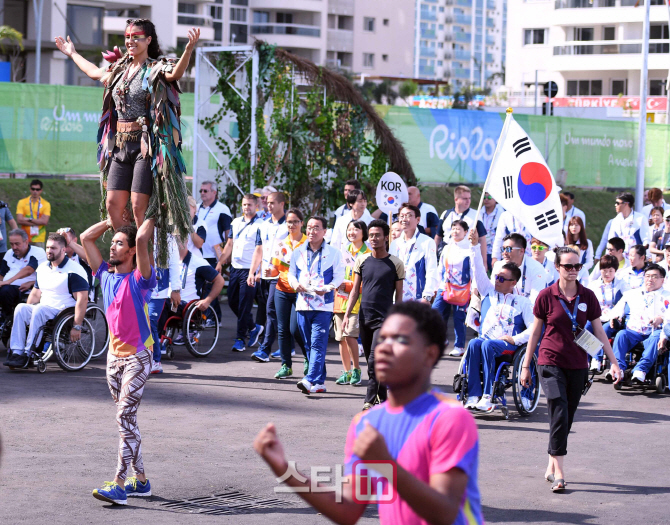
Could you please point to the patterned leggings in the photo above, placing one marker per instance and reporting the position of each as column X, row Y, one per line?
column 126, row 377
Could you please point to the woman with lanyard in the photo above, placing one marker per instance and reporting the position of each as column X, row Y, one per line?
column 357, row 233
column 286, row 296
column 609, row 290
column 577, row 235
column 454, row 276
column 661, row 237
column 562, row 311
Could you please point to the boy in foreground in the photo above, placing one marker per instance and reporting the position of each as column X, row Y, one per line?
column 430, row 439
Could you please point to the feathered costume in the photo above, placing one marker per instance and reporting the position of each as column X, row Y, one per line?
column 161, row 141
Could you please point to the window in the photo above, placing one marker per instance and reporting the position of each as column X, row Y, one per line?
column 619, row 87
column 238, row 33
column 284, row 18
column 261, row 17
column 183, row 7
column 657, row 88
column 385, row 58
column 238, row 14
column 572, row 88
column 218, row 31
column 368, row 24
column 238, row 2
column 585, row 88
column 368, row 60
column 584, row 34
column 386, row 21
column 534, row 37
column 596, row 88
column 658, row 31
column 439, row 63
column 609, row 33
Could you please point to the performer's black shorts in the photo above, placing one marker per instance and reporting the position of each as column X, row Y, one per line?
column 129, row 171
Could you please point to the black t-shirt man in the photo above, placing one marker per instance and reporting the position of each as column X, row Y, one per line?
column 379, row 278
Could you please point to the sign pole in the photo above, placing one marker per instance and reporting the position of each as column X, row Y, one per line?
column 642, row 137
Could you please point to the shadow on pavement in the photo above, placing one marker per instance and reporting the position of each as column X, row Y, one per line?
column 495, row 515
column 616, row 488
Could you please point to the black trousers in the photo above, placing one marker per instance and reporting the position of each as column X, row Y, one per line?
column 208, row 288
column 563, row 388
column 376, row 391
column 10, row 296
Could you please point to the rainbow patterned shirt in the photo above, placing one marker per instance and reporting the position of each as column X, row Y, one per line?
column 126, row 297
column 429, row 435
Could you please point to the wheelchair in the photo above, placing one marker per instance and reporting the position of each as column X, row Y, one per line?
column 199, row 336
column 656, row 379
column 53, row 340
column 526, row 399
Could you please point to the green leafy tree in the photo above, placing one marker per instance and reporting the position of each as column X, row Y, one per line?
column 407, row 89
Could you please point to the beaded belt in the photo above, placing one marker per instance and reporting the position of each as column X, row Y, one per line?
column 127, row 131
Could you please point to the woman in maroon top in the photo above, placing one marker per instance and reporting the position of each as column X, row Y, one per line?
column 562, row 364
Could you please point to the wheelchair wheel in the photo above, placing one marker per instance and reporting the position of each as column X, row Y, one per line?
column 96, row 317
column 199, row 335
column 660, row 384
column 526, row 399
column 461, row 382
column 73, row 356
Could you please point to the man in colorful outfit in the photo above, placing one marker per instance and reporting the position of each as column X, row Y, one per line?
column 430, row 441
column 316, row 271
column 127, row 281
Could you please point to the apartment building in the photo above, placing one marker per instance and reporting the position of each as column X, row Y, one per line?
column 370, row 37
column 462, row 41
column 96, row 25
column 590, row 48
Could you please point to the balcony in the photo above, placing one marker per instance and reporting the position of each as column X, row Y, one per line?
column 286, row 29
column 490, row 5
column 460, row 73
column 428, row 15
column 428, row 34
column 340, row 40
column 490, row 40
column 461, row 36
column 464, row 20
column 608, row 47
column 462, row 54
column 489, row 58
column 463, row 3
column 194, row 20
column 428, row 52
column 427, row 71
column 579, row 4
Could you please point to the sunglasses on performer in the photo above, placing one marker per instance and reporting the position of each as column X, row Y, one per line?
column 502, row 279
column 572, row 267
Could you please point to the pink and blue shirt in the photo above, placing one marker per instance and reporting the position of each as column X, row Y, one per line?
column 126, row 297
column 430, row 435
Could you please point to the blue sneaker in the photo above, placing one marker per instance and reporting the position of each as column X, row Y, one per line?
column 277, row 354
column 255, row 334
column 238, row 346
column 111, row 493
column 260, row 356
column 134, row 487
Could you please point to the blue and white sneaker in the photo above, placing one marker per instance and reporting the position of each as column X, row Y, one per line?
column 277, row 354
column 111, row 492
column 255, row 334
column 134, row 487
column 260, row 356
column 238, row 346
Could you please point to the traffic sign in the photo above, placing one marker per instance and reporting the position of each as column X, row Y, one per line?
column 550, row 89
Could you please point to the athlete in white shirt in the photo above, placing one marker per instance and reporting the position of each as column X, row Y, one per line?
column 358, row 202
column 60, row 283
column 655, row 196
column 506, row 225
column 540, row 251
column 633, row 275
column 461, row 211
column 417, row 251
column 629, row 225
column 572, row 211
column 533, row 275
column 17, row 269
column 490, row 216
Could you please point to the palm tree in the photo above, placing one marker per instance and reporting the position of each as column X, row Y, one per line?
column 11, row 44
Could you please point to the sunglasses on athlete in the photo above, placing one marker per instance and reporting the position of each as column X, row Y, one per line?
column 502, row 279
column 509, row 249
column 572, row 267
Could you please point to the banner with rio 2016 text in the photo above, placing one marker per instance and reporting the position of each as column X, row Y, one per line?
column 456, row 146
column 49, row 129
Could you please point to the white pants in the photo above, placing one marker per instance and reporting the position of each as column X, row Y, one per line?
column 35, row 315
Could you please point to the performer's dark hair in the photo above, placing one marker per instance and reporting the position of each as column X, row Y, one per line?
column 149, row 28
column 429, row 322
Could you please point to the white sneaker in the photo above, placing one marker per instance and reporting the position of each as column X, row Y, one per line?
column 639, row 375
column 485, row 404
column 608, row 375
column 596, row 365
column 305, row 386
column 471, row 403
column 457, row 352
column 317, row 389
column 156, row 367
column 361, row 352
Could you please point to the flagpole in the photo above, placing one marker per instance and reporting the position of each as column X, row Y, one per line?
column 493, row 160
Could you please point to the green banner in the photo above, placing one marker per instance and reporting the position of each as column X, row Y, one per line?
column 53, row 129
column 454, row 146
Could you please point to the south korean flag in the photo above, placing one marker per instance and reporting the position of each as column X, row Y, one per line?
column 520, row 180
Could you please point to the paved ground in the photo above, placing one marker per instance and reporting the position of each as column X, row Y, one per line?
column 198, row 421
